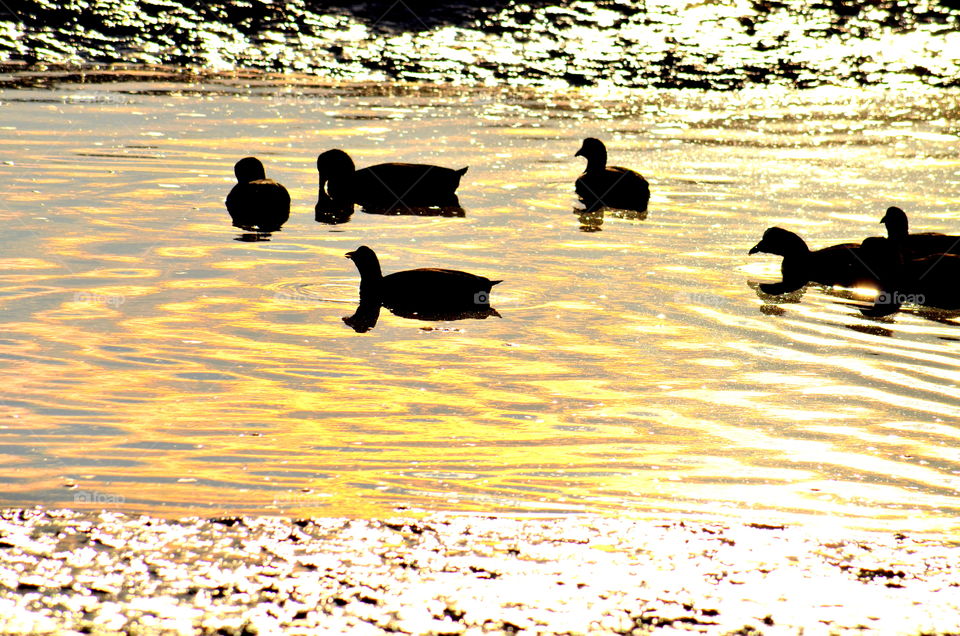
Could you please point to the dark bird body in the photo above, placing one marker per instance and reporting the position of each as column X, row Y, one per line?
column 427, row 294
column 430, row 287
column 835, row 265
column 932, row 280
column 257, row 202
column 385, row 185
column 611, row 186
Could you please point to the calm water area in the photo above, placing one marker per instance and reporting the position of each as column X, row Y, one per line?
column 154, row 358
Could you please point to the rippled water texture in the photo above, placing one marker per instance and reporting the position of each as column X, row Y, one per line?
column 150, row 360
column 623, row 43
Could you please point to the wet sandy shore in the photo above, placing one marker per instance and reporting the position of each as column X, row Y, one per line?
column 68, row 572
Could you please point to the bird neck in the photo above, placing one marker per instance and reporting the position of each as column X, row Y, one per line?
column 333, row 192
column 597, row 162
column 370, row 287
column 370, row 277
column 249, row 169
column 249, row 176
column 897, row 230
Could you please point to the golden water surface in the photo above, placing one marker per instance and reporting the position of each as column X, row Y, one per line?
column 153, row 358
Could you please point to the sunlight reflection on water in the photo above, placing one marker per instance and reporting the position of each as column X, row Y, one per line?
column 550, row 44
column 148, row 355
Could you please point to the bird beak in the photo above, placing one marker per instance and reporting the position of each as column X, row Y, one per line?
column 579, row 153
column 349, row 255
column 756, row 248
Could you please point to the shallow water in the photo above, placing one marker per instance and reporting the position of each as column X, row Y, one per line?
column 152, row 361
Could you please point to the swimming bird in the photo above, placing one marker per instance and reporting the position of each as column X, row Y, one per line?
column 610, row 186
column 257, row 202
column 917, row 245
column 425, row 293
column 834, row 265
column 930, row 280
column 385, row 185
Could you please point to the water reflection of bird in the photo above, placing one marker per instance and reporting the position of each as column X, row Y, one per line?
column 257, row 202
column 329, row 214
column 835, row 265
column 384, row 186
column 610, row 186
column 917, row 245
column 592, row 220
column 930, row 280
column 366, row 316
column 425, row 294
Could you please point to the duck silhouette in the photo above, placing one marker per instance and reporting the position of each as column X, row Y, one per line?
column 424, row 294
column 930, row 280
column 835, row 265
column 384, row 186
column 257, row 202
column 917, row 245
column 610, row 186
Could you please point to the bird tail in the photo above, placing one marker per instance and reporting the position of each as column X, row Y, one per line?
column 495, row 282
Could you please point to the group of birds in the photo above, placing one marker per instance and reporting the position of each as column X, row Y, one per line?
column 921, row 269
column 259, row 203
